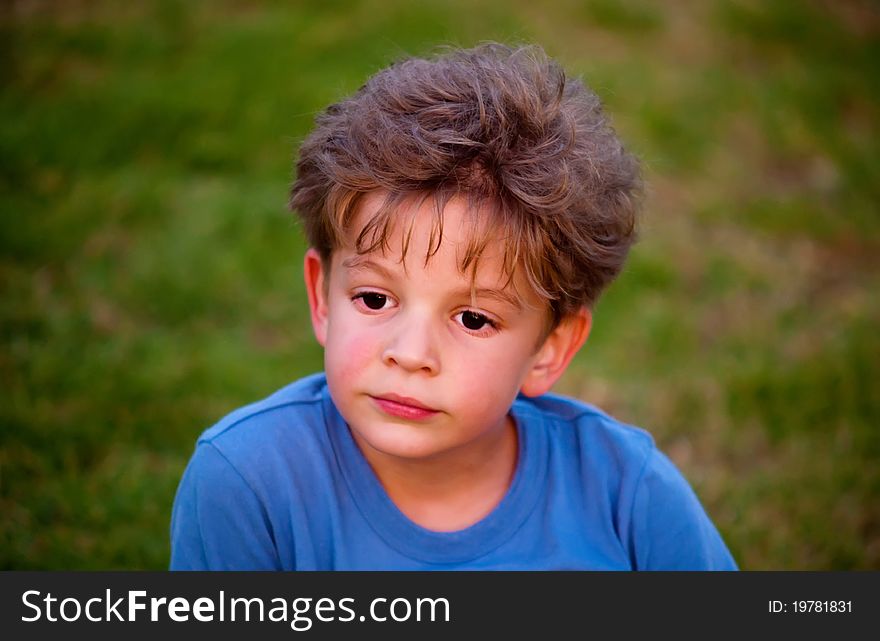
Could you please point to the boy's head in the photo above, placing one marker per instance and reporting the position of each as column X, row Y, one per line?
column 464, row 213
column 529, row 148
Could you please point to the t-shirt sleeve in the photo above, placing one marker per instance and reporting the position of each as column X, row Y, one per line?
column 218, row 522
column 670, row 528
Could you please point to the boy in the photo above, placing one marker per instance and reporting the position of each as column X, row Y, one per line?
column 464, row 214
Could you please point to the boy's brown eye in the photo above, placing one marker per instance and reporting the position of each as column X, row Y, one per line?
column 374, row 301
column 472, row 320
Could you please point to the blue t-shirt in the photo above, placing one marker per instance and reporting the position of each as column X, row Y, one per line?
column 282, row 485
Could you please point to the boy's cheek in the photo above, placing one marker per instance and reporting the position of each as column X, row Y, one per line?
column 348, row 355
column 495, row 367
column 493, row 376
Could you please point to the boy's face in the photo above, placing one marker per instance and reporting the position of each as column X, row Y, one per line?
column 416, row 368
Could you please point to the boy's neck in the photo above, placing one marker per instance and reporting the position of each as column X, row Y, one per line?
column 454, row 491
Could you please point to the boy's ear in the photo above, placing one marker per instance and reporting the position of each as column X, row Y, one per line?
column 313, row 272
column 557, row 351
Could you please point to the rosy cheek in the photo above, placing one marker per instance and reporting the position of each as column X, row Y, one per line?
column 351, row 354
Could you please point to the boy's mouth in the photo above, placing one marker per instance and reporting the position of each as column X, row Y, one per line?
column 403, row 406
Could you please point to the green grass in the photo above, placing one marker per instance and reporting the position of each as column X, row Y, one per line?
column 150, row 273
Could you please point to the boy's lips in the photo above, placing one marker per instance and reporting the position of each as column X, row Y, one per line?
column 403, row 406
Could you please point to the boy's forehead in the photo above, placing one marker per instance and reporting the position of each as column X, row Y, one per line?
column 417, row 230
column 391, row 263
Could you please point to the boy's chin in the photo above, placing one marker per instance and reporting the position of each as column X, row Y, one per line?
column 397, row 440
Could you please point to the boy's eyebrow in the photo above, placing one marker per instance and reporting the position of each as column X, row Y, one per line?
column 359, row 263
column 496, row 294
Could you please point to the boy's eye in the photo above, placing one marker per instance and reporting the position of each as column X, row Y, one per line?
column 474, row 321
column 373, row 300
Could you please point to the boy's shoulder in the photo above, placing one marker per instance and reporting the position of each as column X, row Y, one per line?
column 577, row 428
column 262, row 420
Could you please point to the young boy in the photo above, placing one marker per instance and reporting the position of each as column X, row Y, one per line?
column 464, row 214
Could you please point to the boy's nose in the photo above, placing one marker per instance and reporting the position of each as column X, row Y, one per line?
column 411, row 346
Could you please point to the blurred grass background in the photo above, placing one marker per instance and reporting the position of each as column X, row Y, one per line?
column 150, row 273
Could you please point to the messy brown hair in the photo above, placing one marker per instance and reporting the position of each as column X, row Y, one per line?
column 503, row 127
